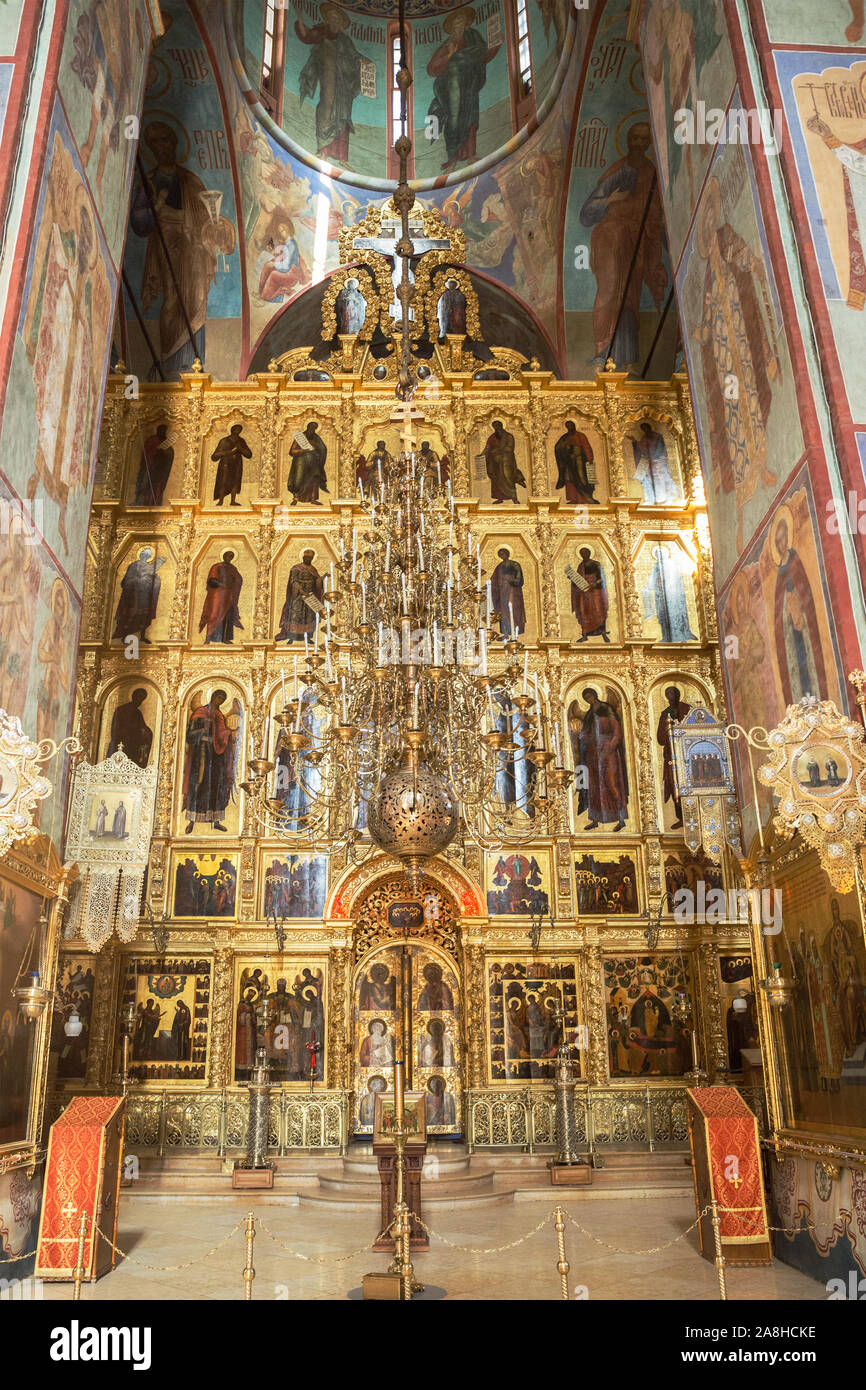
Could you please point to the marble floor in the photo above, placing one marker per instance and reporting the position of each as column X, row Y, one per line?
column 171, row 1231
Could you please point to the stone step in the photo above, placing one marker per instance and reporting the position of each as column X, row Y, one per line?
column 455, row 1187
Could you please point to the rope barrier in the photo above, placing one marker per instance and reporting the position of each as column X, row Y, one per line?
column 483, row 1250
column 322, row 1259
column 171, row 1268
column 649, row 1250
column 16, row 1259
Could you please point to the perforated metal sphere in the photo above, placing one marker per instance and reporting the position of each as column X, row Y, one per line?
column 414, row 816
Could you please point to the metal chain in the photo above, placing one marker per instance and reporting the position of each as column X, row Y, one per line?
column 167, row 1268
column 15, row 1259
column 320, row 1259
column 483, row 1250
column 651, row 1249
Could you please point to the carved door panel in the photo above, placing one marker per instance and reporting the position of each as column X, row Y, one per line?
column 408, row 992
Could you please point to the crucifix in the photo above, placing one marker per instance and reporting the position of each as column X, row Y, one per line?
column 386, row 245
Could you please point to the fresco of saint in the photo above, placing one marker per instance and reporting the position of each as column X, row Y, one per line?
column 651, row 466
column 736, row 344
column 334, row 66
column 799, row 654
column 177, row 200
column 459, row 71
column 624, row 209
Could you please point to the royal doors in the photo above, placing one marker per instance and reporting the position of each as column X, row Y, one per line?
column 408, row 992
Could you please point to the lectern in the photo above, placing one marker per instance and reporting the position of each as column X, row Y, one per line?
column 726, row 1157
column 82, row 1173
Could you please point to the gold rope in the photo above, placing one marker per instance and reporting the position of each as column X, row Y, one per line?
column 483, row 1250
column 173, row 1268
column 321, row 1259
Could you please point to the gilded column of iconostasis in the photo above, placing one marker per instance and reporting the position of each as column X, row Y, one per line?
column 220, row 507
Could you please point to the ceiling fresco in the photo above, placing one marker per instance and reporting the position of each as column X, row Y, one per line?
column 247, row 199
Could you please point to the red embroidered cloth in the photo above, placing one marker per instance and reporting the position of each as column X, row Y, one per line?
column 73, row 1180
column 731, row 1143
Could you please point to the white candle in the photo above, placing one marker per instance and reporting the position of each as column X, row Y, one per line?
column 438, row 474
column 415, row 708
column 482, row 642
column 283, row 685
column 316, row 643
column 525, row 669
column 450, row 533
column 479, row 567
column 469, row 542
column 489, row 600
column 491, row 709
column 510, row 618
column 333, row 586
column 435, row 643
column 388, row 558
column 381, row 644
column 298, row 715
column 361, row 486
column 306, row 647
column 345, row 702
column 449, row 602
column 421, row 554
column 363, row 603
column 405, row 595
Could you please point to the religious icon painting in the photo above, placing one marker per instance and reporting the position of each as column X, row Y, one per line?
column 596, row 729
column 671, row 702
column 578, row 456
column 296, row 778
column 205, row 885
column 664, row 575
column 525, row 998
column 307, row 463
column 70, row 1021
column 739, row 1006
column 648, row 1005
column 230, row 455
column 212, row 730
column 513, row 581
column 683, row 869
column 518, row 885
column 300, row 575
column 652, row 464
column 427, row 983
column 111, row 811
column 144, row 574
column 586, row 591
column 500, row 463
column 20, row 911
column 223, row 590
column 170, row 996
column 607, row 885
column 279, row 1005
column 131, row 719
column 295, row 885
column 414, row 1118
column 155, row 463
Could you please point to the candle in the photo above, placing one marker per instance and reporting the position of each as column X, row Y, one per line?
column 438, row 474
column 306, row 647
column 482, row 641
column 449, row 599
column 316, row 643
column 405, row 595
column 469, row 542
column 283, row 685
column 388, row 558
column 298, row 715
column 332, row 585
column 361, row 486
column 363, row 603
column 398, row 1095
column 435, row 643
column 450, row 533
column 489, row 600
column 415, row 708
column 479, row 567
column 421, row 554
column 491, row 709
column 525, row 669
column 296, row 673
column 510, row 618
column 342, row 552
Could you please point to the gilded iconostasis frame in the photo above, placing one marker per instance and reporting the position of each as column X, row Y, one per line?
column 218, row 878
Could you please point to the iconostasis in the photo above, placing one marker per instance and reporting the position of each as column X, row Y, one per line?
column 219, row 508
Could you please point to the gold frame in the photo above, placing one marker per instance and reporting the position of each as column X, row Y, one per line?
column 38, row 868
column 316, row 959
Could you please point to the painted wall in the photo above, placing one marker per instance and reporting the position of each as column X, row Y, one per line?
column 769, row 419
column 67, row 159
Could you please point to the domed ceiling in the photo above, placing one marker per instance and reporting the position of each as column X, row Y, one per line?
column 320, row 80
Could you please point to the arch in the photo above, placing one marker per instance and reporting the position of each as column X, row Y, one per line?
column 357, row 879
column 505, row 318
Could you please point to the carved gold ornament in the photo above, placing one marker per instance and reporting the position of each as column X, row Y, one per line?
column 705, row 784
column 23, row 783
column 817, row 769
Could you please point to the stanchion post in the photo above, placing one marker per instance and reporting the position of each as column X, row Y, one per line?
column 562, row 1266
column 249, row 1269
column 720, row 1259
column 78, row 1275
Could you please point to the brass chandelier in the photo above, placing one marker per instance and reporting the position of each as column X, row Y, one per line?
column 396, row 719
column 396, row 724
